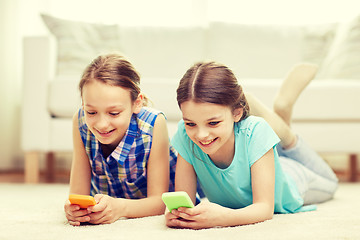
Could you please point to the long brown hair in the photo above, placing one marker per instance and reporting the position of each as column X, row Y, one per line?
column 212, row 82
column 115, row 70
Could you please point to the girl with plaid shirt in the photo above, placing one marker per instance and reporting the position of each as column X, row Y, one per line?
column 122, row 154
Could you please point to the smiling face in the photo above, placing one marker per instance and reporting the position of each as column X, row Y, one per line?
column 108, row 110
column 211, row 127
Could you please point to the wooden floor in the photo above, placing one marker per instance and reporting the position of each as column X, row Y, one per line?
column 63, row 176
column 18, row 177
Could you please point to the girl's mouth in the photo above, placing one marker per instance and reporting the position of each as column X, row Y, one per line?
column 207, row 143
column 105, row 134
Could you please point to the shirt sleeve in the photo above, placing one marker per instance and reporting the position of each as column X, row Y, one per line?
column 260, row 139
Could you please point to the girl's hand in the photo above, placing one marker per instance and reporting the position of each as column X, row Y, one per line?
column 169, row 217
column 105, row 211
column 204, row 215
column 75, row 215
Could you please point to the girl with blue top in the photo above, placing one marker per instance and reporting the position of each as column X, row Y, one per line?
column 249, row 167
column 122, row 154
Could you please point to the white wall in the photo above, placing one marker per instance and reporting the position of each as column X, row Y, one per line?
column 9, row 85
column 21, row 17
column 292, row 12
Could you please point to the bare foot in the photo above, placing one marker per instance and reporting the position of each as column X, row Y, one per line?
column 294, row 83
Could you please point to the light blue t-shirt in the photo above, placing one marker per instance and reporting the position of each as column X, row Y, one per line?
column 231, row 187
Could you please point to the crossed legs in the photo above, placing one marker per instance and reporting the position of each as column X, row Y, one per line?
column 315, row 179
column 280, row 117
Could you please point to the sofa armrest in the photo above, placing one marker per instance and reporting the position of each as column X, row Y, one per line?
column 37, row 71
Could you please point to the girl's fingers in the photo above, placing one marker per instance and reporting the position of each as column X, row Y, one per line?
column 74, row 223
column 187, row 213
column 184, row 215
column 100, row 219
column 100, row 205
column 78, row 219
column 171, row 216
column 79, row 213
column 190, row 211
column 75, row 215
column 183, row 223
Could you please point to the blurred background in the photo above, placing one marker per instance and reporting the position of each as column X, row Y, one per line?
column 19, row 18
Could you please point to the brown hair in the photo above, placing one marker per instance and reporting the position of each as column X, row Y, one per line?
column 212, row 82
column 115, row 70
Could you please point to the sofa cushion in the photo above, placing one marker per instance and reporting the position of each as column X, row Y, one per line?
column 343, row 58
column 154, row 51
column 78, row 43
column 256, row 51
column 317, row 42
column 162, row 52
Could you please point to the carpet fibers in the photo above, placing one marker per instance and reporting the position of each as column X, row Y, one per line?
column 36, row 212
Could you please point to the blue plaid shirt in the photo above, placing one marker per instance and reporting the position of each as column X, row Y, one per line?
column 123, row 173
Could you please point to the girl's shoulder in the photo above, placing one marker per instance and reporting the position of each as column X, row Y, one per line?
column 146, row 119
column 253, row 125
column 250, row 123
column 149, row 115
column 256, row 137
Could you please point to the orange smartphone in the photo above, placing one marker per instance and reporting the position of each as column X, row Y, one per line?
column 83, row 201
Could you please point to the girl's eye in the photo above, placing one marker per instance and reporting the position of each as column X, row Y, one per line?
column 190, row 124
column 90, row 113
column 114, row 113
column 214, row 123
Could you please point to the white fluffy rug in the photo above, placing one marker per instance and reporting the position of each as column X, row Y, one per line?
column 36, row 212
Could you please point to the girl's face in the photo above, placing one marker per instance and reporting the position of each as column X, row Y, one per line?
column 211, row 127
column 108, row 110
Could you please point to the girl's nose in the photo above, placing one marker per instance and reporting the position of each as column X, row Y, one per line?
column 202, row 133
column 102, row 123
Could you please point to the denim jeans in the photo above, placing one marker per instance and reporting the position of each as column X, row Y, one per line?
column 314, row 178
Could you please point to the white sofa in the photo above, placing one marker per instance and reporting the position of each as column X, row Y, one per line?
column 327, row 113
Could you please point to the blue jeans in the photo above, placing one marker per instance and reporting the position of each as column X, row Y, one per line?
column 314, row 178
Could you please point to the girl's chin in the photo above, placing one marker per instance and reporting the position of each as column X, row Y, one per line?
column 105, row 142
column 111, row 142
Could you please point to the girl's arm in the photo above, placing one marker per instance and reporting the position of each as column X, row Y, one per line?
column 206, row 214
column 263, row 190
column 110, row 209
column 157, row 175
column 79, row 178
column 185, row 180
column 80, row 175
